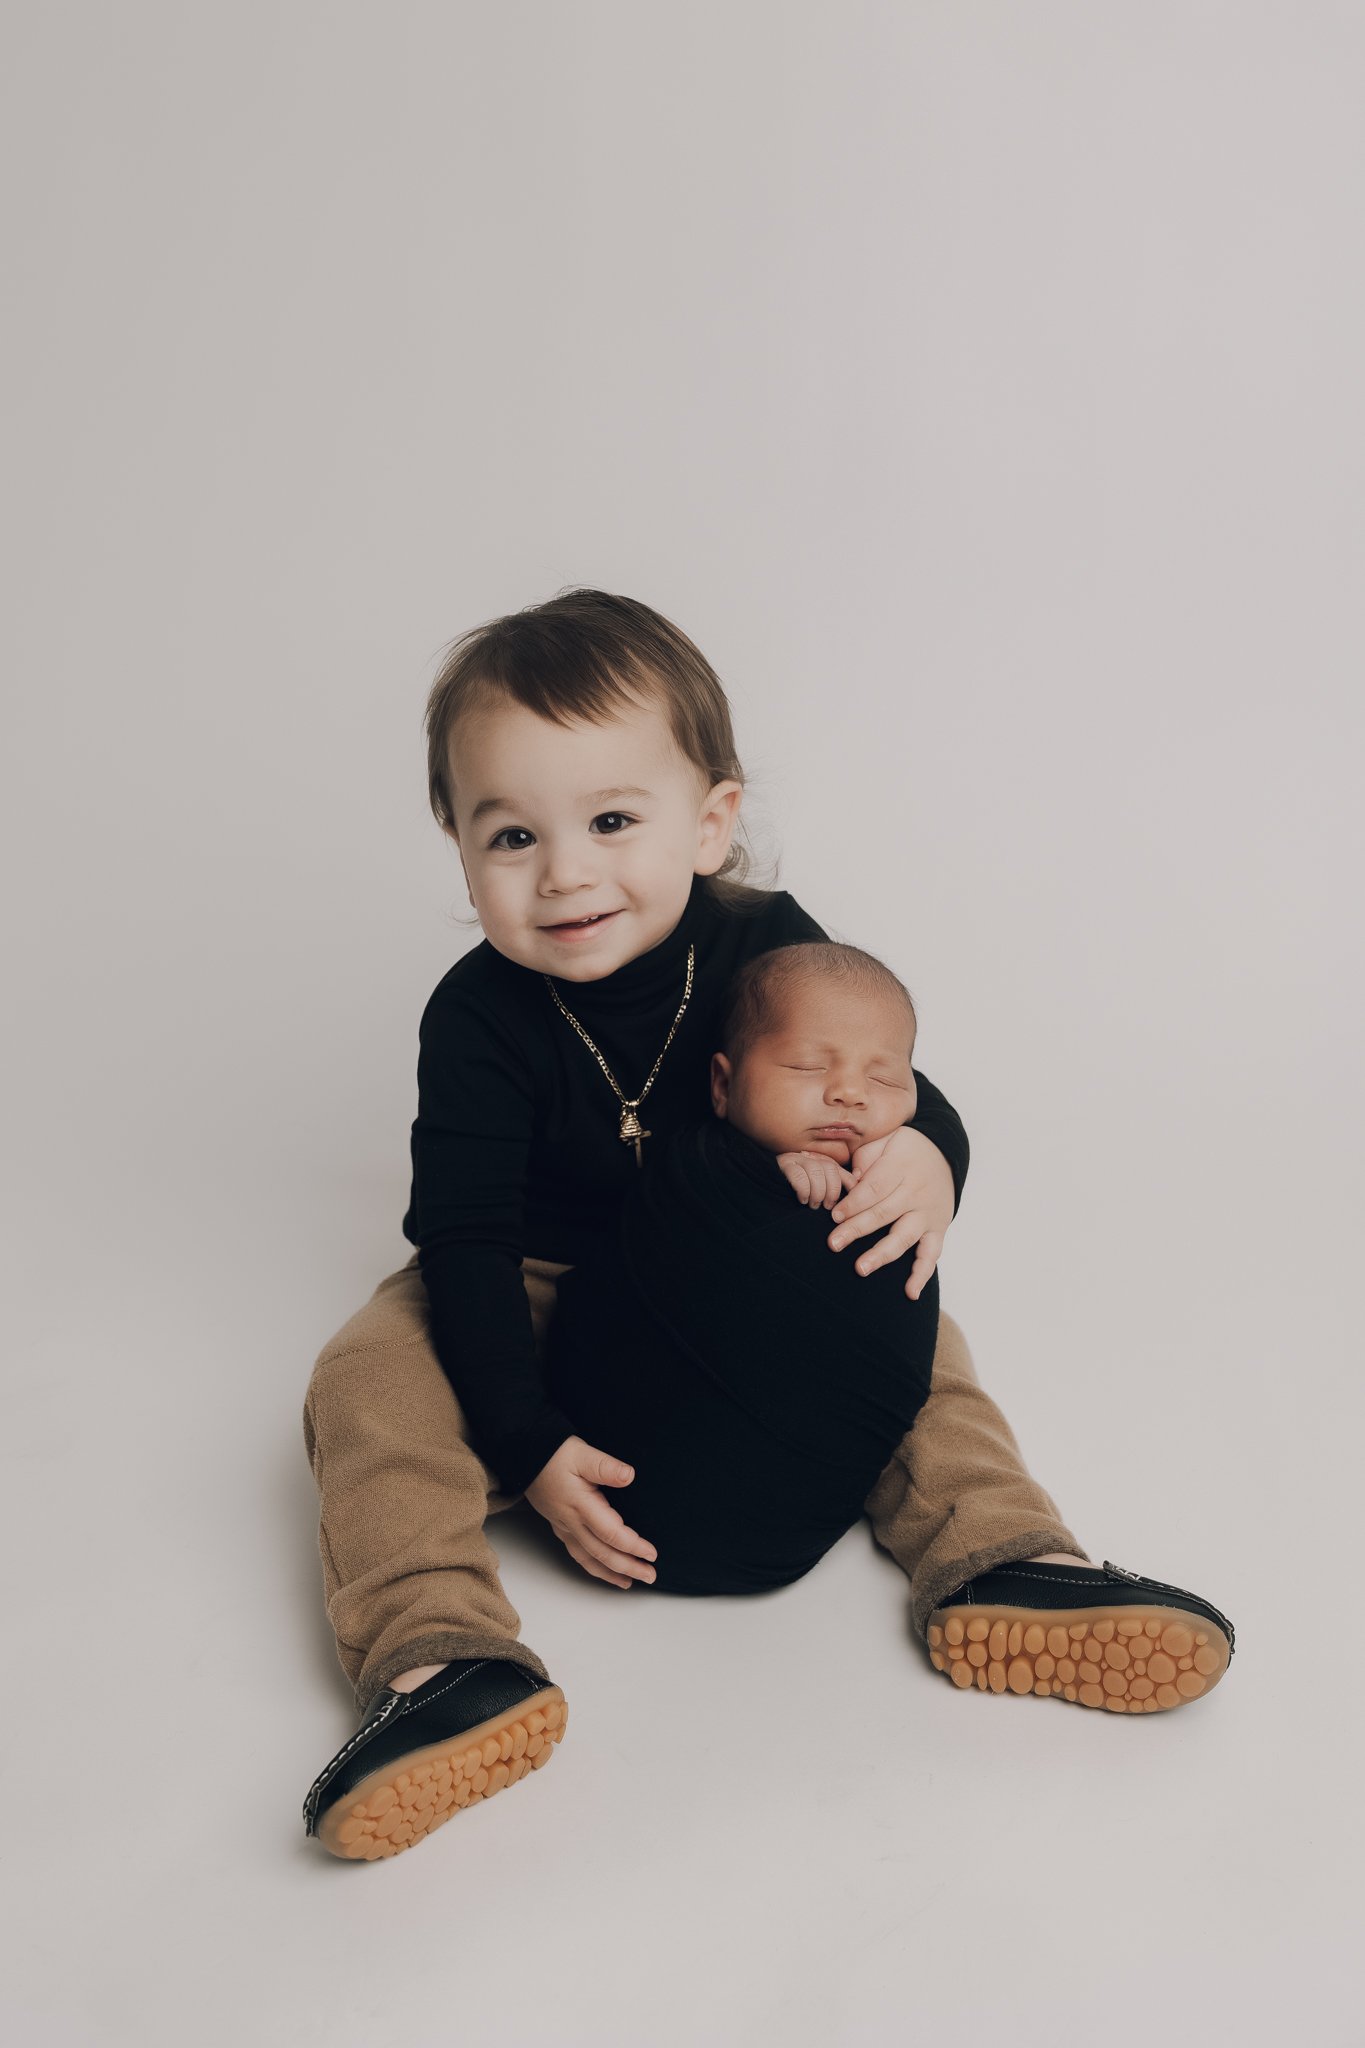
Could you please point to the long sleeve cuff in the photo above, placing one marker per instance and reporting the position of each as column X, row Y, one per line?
column 937, row 1120
column 518, row 1455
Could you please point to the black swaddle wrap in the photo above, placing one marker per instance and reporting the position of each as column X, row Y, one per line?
column 755, row 1381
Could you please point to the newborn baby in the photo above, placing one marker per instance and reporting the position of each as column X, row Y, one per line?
column 757, row 1383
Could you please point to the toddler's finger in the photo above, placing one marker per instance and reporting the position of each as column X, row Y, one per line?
column 590, row 1565
column 922, row 1271
column 618, row 1560
column 619, row 1540
column 857, row 1225
column 612, row 1526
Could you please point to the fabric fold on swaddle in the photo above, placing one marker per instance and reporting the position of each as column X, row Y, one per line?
column 757, row 1383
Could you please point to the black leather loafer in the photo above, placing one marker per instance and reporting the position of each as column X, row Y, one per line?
column 476, row 1725
column 1100, row 1636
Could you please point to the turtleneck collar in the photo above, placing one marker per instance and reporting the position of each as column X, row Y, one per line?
column 647, row 982
column 652, row 977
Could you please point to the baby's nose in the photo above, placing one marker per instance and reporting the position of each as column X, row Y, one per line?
column 848, row 1089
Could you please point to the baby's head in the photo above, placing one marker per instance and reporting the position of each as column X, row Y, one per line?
column 580, row 755
column 815, row 1036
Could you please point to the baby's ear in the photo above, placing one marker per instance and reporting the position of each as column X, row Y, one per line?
column 720, row 1083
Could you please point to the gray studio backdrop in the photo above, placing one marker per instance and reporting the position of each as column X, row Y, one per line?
column 980, row 387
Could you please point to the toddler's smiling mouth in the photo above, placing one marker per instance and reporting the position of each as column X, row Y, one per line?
column 573, row 925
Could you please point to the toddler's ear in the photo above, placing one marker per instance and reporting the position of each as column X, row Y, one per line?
column 716, row 825
column 720, row 1083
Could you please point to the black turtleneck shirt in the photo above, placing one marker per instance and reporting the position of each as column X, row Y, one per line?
column 515, row 1147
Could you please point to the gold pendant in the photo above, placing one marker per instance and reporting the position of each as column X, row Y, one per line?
column 632, row 1132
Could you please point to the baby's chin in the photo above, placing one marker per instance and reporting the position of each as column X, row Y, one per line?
column 840, row 1150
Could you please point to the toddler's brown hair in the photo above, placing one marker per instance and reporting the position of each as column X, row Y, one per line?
column 582, row 655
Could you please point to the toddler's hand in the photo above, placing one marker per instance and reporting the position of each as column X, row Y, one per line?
column 904, row 1180
column 566, row 1492
column 818, row 1180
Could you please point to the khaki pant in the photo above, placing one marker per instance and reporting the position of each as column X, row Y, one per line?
column 409, row 1574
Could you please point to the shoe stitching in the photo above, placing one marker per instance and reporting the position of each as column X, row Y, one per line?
column 965, row 1597
column 365, row 1734
column 329, row 1771
column 1184, row 1591
column 1019, row 1573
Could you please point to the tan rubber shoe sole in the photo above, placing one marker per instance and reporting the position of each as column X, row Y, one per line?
column 410, row 1798
column 1133, row 1660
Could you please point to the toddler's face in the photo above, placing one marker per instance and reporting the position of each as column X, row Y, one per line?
column 556, row 823
column 830, row 1060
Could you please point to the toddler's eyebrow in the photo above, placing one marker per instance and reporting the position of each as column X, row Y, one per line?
column 594, row 796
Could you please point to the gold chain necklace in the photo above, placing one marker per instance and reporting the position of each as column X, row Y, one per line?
column 631, row 1131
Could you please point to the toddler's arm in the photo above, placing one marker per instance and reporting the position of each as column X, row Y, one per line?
column 470, row 1144
column 903, row 1181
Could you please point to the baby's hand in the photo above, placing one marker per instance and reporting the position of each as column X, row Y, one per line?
column 818, row 1181
column 566, row 1492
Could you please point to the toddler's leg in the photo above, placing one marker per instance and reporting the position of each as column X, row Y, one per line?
column 409, row 1576
column 995, row 1586
column 957, row 1497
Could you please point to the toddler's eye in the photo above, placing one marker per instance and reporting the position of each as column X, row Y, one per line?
column 619, row 815
column 518, row 830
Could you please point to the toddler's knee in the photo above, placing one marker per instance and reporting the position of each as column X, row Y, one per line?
column 331, row 1363
column 397, row 1314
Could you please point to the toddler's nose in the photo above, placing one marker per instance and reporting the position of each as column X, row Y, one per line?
column 565, row 872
